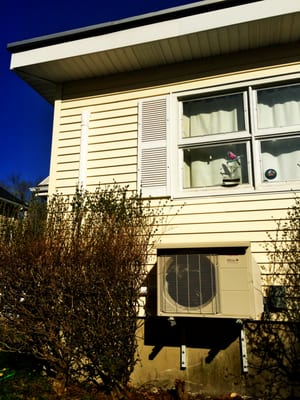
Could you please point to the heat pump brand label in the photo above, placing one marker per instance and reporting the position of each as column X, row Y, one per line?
column 232, row 260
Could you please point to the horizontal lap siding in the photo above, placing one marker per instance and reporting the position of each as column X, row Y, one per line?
column 249, row 214
column 207, row 221
column 112, row 145
column 112, row 156
column 112, row 141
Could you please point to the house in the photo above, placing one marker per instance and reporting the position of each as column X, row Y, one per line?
column 41, row 189
column 199, row 104
column 8, row 202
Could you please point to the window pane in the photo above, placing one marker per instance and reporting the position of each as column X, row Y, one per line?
column 210, row 116
column 222, row 165
column 280, row 159
column 278, row 107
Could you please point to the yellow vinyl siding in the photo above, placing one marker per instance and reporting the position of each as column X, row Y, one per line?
column 112, row 135
column 124, row 180
column 112, row 104
column 241, row 215
column 112, row 130
column 67, row 150
column 205, row 221
column 71, row 159
column 113, row 154
column 65, row 136
column 112, row 170
column 65, row 166
column 72, row 142
column 196, row 216
column 101, row 162
column 222, row 228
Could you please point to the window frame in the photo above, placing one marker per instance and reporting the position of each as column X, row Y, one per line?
column 252, row 135
column 270, row 131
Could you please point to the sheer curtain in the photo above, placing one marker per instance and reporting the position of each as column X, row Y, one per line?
column 211, row 165
column 204, row 166
column 278, row 108
column 282, row 156
column 211, row 116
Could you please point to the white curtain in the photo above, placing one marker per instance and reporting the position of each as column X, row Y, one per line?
column 213, row 115
column 279, row 107
column 283, row 156
column 204, row 166
column 208, row 166
column 201, row 173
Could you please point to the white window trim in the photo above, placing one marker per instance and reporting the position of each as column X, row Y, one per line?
column 177, row 143
column 261, row 132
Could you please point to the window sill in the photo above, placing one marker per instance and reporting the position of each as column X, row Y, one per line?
column 266, row 188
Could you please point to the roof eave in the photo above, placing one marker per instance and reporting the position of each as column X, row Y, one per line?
column 46, row 64
column 199, row 7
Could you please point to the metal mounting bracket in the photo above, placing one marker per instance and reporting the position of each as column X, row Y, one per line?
column 183, row 356
column 244, row 355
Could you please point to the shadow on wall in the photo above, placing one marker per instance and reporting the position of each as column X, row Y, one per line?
column 204, row 333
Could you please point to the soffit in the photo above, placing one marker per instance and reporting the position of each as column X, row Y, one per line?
column 186, row 39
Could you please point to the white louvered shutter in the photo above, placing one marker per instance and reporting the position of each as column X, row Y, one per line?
column 153, row 171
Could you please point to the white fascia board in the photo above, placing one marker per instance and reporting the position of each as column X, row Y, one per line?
column 157, row 31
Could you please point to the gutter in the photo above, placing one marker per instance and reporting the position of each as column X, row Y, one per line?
column 11, row 202
column 199, row 7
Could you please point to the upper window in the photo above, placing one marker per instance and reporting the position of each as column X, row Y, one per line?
column 213, row 115
column 242, row 139
column 278, row 107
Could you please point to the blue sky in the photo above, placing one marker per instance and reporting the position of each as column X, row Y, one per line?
column 26, row 118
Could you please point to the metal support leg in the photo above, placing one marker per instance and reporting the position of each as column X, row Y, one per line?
column 243, row 345
column 183, row 356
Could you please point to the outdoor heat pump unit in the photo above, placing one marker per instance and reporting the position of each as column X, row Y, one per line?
column 222, row 281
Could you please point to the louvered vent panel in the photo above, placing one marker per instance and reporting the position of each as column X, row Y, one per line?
column 154, row 165
column 153, row 154
column 154, row 123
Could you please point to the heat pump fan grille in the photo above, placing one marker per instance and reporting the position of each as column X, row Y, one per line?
column 191, row 279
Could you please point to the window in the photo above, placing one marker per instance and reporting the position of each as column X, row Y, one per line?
column 214, row 135
column 209, row 116
column 245, row 139
column 222, row 137
column 278, row 112
column 283, row 156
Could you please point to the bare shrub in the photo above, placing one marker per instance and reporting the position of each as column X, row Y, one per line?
column 275, row 341
column 70, row 278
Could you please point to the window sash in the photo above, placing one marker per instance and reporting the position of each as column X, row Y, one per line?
column 197, row 173
column 280, row 159
column 277, row 109
column 214, row 115
column 215, row 165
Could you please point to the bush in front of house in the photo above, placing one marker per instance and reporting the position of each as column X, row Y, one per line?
column 71, row 272
column 275, row 340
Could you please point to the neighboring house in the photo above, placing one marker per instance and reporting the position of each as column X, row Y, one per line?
column 199, row 104
column 41, row 189
column 8, row 202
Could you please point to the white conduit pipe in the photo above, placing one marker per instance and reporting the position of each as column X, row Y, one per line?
column 85, row 116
